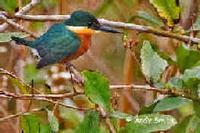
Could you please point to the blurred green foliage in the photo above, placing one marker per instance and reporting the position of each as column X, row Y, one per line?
column 33, row 74
column 32, row 124
column 8, row 5
column 90, row 124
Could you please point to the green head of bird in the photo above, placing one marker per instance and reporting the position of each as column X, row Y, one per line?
column 85, row 19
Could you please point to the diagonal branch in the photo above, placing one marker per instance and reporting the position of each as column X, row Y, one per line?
column 28, row 7
column 22, row 11
column 3, row 27
column 14, row 24
column 107, row 120
column 19, row 114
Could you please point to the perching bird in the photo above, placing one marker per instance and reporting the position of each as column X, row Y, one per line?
column 65, row 41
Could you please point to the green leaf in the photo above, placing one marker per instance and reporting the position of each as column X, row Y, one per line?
column 121, row 115
column 32, row 73
column 70, row 115
column 149, row 18
column 165, row 56
column 5, row 37
column 97, row 89
column 196, row 107
column 193, row 73
column 22, row 87
column 8, row 5
column 186, row 57
column 104, row 129
column 182, row 126
column 191, row 124
column 52, row 121
column 148, row 109
column 30, row 124
column 170, row 103
column 152, row 64
column 45, row 128
column 50, row 4
column 90, row 123
column 189, row 81
column 196, row 25
column 175, row 82
column 191, row 78
column 149, row 123
column 167, row 9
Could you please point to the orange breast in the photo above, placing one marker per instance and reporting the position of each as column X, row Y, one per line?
column 85, row 44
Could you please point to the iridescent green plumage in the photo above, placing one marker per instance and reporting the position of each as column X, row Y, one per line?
column 53, row 46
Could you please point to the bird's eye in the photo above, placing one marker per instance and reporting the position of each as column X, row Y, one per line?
column 90, row 24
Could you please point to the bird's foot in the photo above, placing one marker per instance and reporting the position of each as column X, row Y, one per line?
column 75, row 75
column 69, row 65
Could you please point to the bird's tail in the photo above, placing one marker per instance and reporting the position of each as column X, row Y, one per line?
column 23, row 41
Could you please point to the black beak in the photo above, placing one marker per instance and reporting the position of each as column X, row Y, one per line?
column 108, row 29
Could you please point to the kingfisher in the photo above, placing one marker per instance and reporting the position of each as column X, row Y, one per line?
column 66, row 41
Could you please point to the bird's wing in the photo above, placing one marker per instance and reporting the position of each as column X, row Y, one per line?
column 57, row 43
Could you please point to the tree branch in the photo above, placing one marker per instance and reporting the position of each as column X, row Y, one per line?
column 66, row 106
column 129, row 26
column 39, row 109
column 20, row 114
column 28, row 7
column 22, row 11
column 17, row 26
column 3, row 26
column 37, row 96
column 172, row 92
column 5, row 94
column 107, row 119
column 5, row 72
column 42, row 97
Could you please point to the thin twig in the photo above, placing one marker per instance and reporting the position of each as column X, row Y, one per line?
column 3, row 26
column 37, row 96
column 5, row 94
column 110, row 125
column 107, row 120
column 11, row 123
column 129, row 26
column 64, row 105
column 22, row 11
column 17, row 26
column 5, row 72
column 172, row 92
column 28, row 7
column 55, row 106
column 43, row 18
column 44, row 99
column 19, row 114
